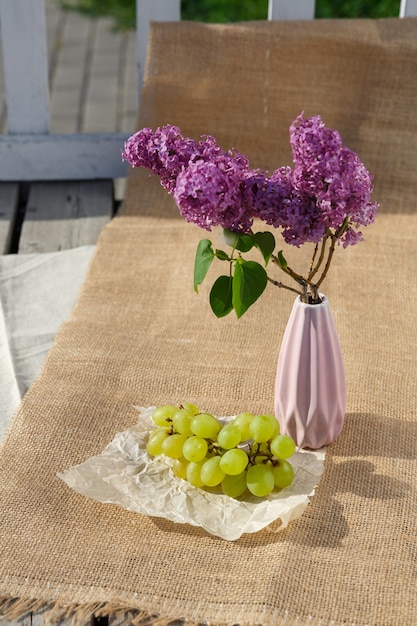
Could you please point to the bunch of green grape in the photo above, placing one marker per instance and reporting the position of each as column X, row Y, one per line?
column 246, row 454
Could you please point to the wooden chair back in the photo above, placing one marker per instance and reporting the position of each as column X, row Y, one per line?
column 29, row 151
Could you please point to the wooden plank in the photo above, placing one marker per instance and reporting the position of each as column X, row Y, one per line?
column 70, row 75
column 129, row 94
column 291, row 10
column 102, row 93
column 23, row 31
column 9, row 194
column 38, row 619
column 61, row 157
column 54, row 17
column 2, row 100
column 61, row 215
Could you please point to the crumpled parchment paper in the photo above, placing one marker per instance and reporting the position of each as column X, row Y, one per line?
column 124, row 474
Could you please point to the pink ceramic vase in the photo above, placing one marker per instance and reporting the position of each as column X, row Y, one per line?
column 310, row 390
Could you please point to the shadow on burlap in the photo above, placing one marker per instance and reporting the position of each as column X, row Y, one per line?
column 139, row 335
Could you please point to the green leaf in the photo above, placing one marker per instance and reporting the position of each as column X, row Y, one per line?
column 249, row 282
column 203, row 259
column 282, row 261
column 221, row 296
column 244, row 243
column 265, row 242
column 222, row 255
column 230, row 237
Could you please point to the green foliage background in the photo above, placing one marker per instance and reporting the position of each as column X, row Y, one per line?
column 123, row 11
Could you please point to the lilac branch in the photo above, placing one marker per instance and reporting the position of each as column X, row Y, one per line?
column 315, row 269
column 283, row 286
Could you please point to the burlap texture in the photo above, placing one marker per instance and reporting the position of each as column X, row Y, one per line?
column 139, row 335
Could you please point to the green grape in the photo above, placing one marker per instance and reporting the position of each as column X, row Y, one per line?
column 234, row 486
column 229, row 436
column 283, row 474
column 211, row 473
column 181, row 421
column 261, row 428
column 205, row 425
column 282, row 446
column 179, row 467
column 242, row 421
column 260, row 480
column 172, row 446
column 234, row 461
column 193, row 473
column 195, row 449
column 259, row 459
column 155, row 441
column 158, row 429
column 191, row 408
column 162, row 415
column 275, row 422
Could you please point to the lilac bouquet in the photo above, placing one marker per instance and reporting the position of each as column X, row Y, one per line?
column 324, row 200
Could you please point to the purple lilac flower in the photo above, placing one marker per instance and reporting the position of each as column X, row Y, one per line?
column 265, row 195
column 209, row 194
column 277, row 202
column 327, row 185
column 204, row 179
column 303, row 222
column 164, row 152
column 328, row 190
column 333, row 176
column 351, row 237
column 208, row 191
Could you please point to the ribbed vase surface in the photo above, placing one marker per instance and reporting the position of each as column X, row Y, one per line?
column 310, row 390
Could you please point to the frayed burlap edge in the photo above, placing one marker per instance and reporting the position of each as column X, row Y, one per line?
column 12, row 609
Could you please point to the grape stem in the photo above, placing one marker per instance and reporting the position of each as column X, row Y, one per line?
column 254, row 451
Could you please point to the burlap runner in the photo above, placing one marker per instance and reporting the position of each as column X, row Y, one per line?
column 139, row 335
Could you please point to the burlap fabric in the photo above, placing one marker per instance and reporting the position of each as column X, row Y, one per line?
column 139, row 335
